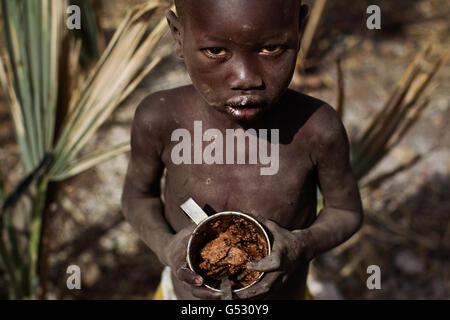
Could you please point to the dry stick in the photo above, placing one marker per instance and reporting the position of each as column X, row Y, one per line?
column 418, row 91
column 376, row 182
column 412, row 89
column 397, row 102
column 412, row 68
column 65, row 80
column 418, row 60
column 403, row 232
column 57, row 35
column 372, row 125
column 404, row 130
column 380, row 135
column 74, row 72
column 415, row 94
column 310, row 30
column 348, row 268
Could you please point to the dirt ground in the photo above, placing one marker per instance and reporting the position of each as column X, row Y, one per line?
column 406, row 231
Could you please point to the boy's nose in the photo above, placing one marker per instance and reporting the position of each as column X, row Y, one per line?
column 245, row 76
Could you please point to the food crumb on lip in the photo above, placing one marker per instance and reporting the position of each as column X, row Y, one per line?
column 249, row 106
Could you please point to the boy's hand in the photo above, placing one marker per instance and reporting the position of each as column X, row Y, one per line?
column 287, row 251
column 176, row 259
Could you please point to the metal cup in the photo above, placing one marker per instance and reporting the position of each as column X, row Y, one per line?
column 204, row 232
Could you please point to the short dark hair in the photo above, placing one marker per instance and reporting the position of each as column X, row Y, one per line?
column 180, row 4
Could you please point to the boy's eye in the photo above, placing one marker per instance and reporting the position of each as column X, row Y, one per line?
column 272, row 49
column 216, row 52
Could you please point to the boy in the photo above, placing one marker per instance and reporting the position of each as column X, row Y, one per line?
column 241, row 55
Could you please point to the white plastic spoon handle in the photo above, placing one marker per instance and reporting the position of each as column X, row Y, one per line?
column 193, row 210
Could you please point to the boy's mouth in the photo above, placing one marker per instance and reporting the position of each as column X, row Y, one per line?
column 244, row 108
column 243, row 112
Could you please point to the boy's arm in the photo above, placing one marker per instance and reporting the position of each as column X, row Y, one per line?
column 141, row 202
column 342, row 214
column 340, row 218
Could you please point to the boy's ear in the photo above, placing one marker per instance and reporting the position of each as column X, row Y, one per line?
column 176, row 30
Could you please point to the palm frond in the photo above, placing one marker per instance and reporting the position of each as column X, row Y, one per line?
column 56, row 111
column 29, row 72
column 114, row 77
column 92, row 160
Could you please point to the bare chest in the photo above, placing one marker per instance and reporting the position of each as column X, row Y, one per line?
column 288, row 197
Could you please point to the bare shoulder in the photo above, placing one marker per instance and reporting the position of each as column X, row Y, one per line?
column 316, row 127
column 157, row 109
column 321, row 119
column 156, row 114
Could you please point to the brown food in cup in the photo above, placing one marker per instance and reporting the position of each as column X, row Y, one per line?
column 228, row 253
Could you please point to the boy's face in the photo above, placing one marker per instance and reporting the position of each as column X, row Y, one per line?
column 240, row 54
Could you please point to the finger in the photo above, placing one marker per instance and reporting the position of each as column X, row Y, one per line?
column 269, row 263
column 186, row 275
column 205, row 293
column 181, row 239
column 272, row 226
column 186, row 232
column 261, row 288
column 184, row 236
